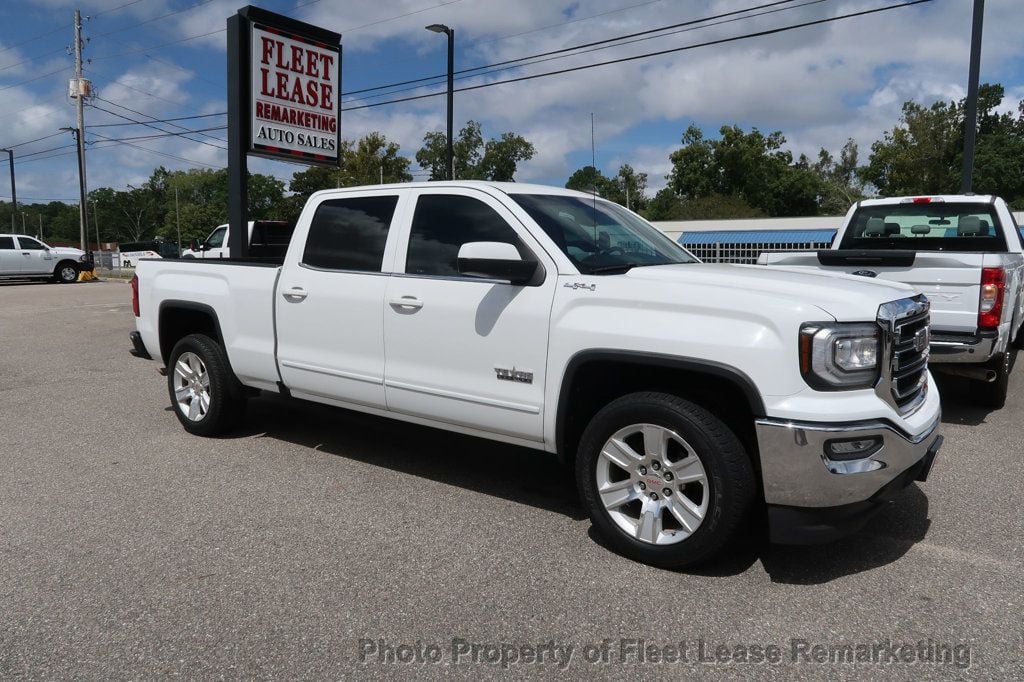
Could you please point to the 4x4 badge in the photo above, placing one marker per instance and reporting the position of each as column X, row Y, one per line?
column 580, row 285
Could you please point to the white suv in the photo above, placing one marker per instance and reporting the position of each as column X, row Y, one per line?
column 24, row 257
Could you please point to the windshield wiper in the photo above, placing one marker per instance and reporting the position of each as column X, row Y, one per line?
column 620, row 267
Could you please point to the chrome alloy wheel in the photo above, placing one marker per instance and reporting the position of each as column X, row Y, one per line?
column 68, row 274
column 652, row 484
column 191, row 386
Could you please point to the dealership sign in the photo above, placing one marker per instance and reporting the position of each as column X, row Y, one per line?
column 293, row 90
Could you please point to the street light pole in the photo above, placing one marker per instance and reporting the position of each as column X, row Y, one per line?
column 14, row 190
column 450, row 32
column 971, row 115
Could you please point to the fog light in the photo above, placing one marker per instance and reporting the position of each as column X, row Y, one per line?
column 852, row 448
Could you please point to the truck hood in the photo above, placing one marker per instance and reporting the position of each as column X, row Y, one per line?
column 66, row 251
column 845, row 297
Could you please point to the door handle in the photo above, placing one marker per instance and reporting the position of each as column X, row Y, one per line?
column 406, row 302
column 295, row 294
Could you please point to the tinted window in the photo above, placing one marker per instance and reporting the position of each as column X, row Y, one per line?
column 934, row 226
column 350, row 234
column 443, row 223
column 30, row 244
column 216, row 238
column 6, row 243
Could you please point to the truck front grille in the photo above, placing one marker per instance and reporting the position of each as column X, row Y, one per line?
column 905, row 341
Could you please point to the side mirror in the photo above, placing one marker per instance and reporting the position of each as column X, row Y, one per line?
column 496, row 260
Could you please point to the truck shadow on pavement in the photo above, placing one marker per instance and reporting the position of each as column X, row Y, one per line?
column 959, row 404
column 536, row 478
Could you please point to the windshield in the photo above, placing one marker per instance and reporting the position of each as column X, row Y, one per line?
column 599, row 236
column 933, row 226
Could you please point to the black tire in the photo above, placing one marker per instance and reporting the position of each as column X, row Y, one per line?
column 729, row 474
column 227, row 399
column 66, row 272
column 993, row 393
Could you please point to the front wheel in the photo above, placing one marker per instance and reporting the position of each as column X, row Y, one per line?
column 66, row 273
column 665, row 481
column 207, row 398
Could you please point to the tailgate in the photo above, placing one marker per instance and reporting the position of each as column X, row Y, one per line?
column 951, row 281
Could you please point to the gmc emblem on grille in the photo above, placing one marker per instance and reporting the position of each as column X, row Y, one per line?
column 921, row 340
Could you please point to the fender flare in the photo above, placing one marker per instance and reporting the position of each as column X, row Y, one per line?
column 715, row 369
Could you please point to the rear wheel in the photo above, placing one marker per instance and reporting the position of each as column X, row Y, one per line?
column 993, row 393
column 207, row 398
column 665, row 481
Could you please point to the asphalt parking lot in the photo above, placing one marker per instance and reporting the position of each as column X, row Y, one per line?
column 317, row 537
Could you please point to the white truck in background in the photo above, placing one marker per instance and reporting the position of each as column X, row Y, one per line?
column 964, row 252
column 267, row 239
column 684, row 394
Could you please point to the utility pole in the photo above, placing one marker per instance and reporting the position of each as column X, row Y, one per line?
column 79, row 90
column 24, row 230
column 40, row 226
column 14, row 190
column 971, row 115
column 96, row 224
column 177, row 218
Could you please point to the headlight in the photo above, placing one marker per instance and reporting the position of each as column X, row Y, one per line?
column 839, row 356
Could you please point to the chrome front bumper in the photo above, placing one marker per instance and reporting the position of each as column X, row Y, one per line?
column 797, row 471
column 962, row 348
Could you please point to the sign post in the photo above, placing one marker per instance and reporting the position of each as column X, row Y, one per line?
column 284, row 102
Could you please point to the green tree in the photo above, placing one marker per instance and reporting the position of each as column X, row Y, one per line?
column 627, row 187
column 589, row 179
column 367, row 162
column 474, row 159
column 751, row 167
column 920, row 155
column 840, row 181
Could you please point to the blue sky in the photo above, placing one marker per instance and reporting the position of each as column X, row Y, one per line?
column 819, row 85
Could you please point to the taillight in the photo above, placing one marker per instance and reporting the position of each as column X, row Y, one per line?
column 135, row 295
column 990, row 303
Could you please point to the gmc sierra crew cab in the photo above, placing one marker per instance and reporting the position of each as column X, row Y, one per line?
column 964, row 252
column 684, row 394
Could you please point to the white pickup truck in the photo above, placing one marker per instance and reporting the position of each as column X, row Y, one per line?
column 684, row 394
column 267, row 238
column 24, row 257
column 964, row 252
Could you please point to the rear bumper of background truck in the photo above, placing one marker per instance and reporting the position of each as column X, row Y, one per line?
column 812, row 498
column 949, row 348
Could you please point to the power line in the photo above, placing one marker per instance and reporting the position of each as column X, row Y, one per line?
column 156, row 120
column 222, row 30
column 168, row 134
column 150, row 125
column 558, row 54
column 620, row 60
column 152, row 151
column 149, row 21
column 22, row 144
column 576, row 47
column 32, row 80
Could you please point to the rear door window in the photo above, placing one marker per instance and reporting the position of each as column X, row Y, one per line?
column 934, row 226
column 350, row 233
column 6, row 243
